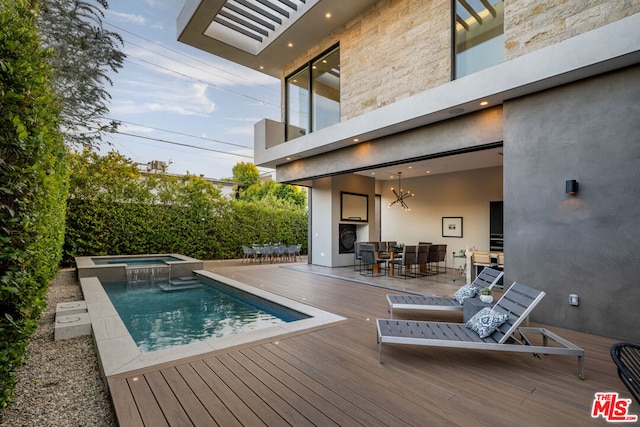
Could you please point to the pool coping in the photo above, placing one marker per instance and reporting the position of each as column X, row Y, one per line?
column 117, row 272
column 118, row 353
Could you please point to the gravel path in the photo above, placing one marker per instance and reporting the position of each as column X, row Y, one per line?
column 60, row 383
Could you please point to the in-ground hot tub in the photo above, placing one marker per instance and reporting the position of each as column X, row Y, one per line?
column 117, row 268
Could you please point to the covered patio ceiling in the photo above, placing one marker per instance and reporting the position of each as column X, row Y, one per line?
column 263, row 34
column 486, row 158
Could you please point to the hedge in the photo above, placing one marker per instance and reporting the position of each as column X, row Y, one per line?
column 115, row 210
column 101, row 228
column 33, row 186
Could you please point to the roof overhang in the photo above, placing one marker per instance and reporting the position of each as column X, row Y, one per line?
column 263, row 34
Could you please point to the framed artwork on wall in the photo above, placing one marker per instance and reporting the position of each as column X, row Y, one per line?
column 451, row 226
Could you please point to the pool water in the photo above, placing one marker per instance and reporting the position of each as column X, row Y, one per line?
column 157, row 320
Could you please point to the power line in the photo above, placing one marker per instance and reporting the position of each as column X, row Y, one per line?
column 201, row 81
column 191, row 58
column 182, row 144
column 180, row 133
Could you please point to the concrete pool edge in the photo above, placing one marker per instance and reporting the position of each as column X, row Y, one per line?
column 118, row 353
column 116, row 272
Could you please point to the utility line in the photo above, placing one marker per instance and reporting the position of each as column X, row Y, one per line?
column 201, row 81
column 180, row 133
column 191, row 58
column 182, row 144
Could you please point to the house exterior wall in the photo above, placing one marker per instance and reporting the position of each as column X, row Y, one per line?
column 467, row 132
column 399, row 48
column 532, row 24
column 586, row 244
column 586, row 130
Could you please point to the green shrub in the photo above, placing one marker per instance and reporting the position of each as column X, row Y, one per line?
column 33, row 190
column 115, row 210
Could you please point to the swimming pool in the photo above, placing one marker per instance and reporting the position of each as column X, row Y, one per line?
column 119, row 353
column 193, row 310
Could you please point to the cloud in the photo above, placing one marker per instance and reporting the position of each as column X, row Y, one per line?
column 127, row 17
column 139, row 97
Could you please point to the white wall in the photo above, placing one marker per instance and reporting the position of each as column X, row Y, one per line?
column 321, row 215
column 326, row 217
column 461, row 194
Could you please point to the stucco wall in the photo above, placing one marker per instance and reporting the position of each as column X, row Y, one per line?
column 588, row 244
column 460, row 133
column 326, row 214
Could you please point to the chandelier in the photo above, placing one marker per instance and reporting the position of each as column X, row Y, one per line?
column 401, row 196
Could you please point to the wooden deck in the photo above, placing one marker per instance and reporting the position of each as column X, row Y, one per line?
column 331, row 376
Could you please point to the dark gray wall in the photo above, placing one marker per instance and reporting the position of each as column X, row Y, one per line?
column 469, row 131
column 588, row 244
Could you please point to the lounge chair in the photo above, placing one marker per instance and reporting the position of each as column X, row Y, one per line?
column 516, row 303
column 626, row 356
column 488, row 278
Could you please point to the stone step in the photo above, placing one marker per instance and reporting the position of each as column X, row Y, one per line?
column 179, row 287
column 183, row 281
column 71, row 326
column 73, row 307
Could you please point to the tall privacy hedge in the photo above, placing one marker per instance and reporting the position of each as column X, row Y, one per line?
column 114, row 210
column 33, row 185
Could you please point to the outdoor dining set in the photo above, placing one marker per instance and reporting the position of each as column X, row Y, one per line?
column 271, row 253
column 410, row 261
column 376, row 258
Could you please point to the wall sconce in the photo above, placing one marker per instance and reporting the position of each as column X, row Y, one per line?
column 572, row 186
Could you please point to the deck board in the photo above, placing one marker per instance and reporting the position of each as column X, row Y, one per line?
column 331, row 375
column 221, row 415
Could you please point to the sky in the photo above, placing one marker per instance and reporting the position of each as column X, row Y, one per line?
column 174, row 97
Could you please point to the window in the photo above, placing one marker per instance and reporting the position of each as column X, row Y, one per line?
column 313, row 95
column 478, row 35
column 298, row 104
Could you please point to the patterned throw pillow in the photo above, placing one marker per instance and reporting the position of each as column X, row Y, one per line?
column 467, row 291
column 486, row 321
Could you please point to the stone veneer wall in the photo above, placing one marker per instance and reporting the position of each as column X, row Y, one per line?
column 395, row 49
column 533, row 24
column 399, row 48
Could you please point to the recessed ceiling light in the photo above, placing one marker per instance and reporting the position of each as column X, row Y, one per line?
column 327, row 15
column 355, row 140
column 262, row 67
column 410, row 167
column 483, row 103
column 428, row 171
column 288, row 158
column 290, row 44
